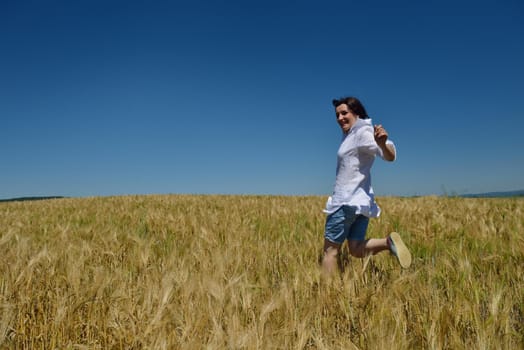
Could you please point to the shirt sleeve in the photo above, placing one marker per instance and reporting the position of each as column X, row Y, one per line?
column 368, row 145
column 391, row 143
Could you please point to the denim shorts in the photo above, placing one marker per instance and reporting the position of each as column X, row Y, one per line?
column 345, row 224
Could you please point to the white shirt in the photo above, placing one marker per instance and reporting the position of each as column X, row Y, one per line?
column 355, row 158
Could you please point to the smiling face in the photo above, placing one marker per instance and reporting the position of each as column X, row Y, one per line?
column 345, row 118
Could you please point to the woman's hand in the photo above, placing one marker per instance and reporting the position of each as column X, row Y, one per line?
column 381, row 135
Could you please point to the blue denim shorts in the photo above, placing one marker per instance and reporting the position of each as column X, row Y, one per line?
column 345, row 224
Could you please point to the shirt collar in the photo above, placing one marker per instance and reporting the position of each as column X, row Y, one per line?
column 359, row 124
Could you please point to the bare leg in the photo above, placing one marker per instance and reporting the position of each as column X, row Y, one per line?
column 361, row 249
column 329, row 260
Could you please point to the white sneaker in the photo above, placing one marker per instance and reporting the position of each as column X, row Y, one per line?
column 399, row 249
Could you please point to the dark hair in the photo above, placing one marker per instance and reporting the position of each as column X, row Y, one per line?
column 354, row 105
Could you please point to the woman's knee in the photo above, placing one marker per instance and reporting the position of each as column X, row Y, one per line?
column 331, row 249
column 356, row 248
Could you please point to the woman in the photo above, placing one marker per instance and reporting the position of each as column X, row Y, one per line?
column 353, row 201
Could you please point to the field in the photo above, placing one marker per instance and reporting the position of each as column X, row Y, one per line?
column 242, row 272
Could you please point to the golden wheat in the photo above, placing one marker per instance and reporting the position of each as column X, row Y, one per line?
column 241, row 272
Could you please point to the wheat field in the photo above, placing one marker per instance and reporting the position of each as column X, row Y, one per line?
column 242, row 272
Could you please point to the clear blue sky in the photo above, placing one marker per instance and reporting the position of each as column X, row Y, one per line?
column 143, row 97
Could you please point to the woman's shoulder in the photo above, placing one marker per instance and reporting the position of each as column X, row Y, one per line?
column 364, row 126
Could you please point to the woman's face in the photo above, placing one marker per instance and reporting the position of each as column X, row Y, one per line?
column 345, row 118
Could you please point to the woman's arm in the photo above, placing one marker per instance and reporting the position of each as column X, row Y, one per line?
column 381, row 136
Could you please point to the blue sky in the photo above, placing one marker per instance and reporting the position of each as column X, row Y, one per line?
column 143, row 97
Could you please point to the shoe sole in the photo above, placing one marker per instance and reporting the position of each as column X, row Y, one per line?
column 403, row 254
